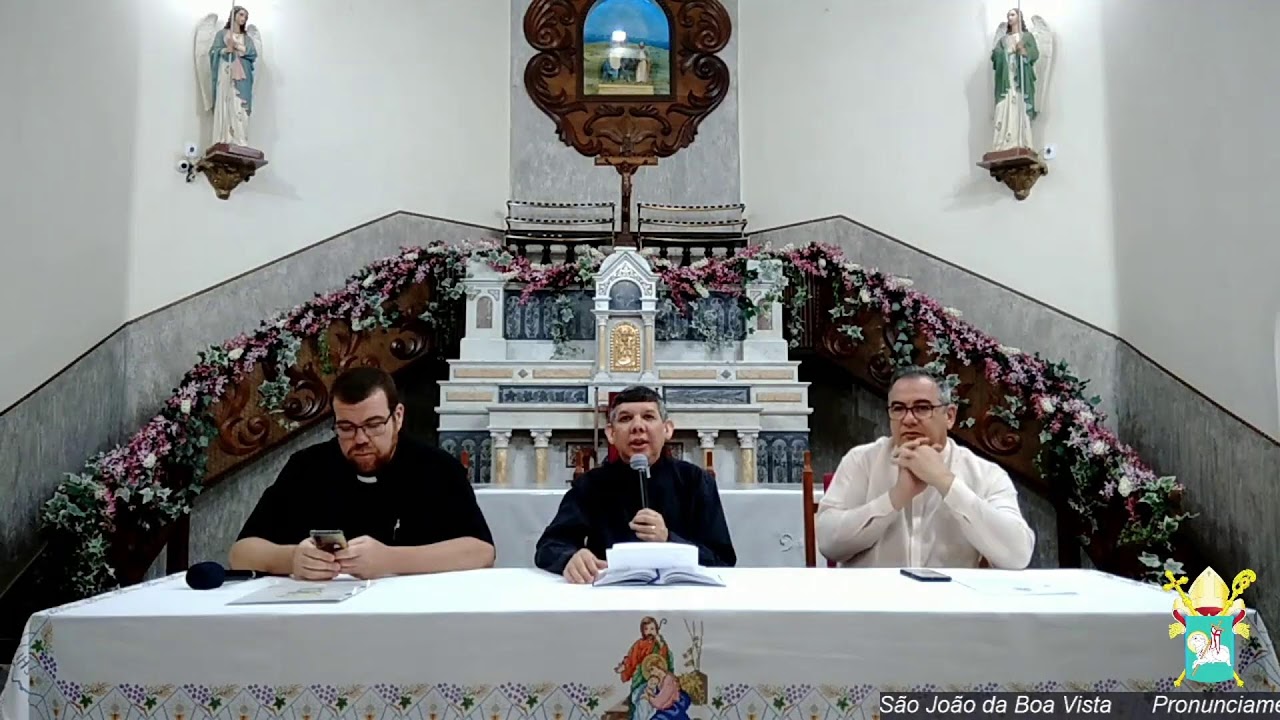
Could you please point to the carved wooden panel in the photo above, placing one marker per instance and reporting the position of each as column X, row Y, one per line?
column 246, row 429
column 627, row 118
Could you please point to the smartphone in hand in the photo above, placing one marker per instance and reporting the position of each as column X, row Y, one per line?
column 329, row 541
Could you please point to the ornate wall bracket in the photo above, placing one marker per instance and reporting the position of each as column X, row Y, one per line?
column 226, row 166
column 1018, row 169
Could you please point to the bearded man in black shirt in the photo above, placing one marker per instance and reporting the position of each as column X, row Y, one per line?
column 604, row 506
column 404, row 507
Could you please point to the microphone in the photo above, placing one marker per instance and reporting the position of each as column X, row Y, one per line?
column 640, row 464
column 210, row 575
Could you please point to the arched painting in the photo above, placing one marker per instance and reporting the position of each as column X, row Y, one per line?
column 626, row 49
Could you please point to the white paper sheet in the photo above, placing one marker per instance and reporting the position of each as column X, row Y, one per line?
column 1014, row 586
column 294, row 591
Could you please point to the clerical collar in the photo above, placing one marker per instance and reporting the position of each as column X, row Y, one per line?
column 367, row 479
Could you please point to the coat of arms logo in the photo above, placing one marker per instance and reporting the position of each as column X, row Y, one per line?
column 1210, row 616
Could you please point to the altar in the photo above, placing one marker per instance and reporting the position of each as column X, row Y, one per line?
column 526, row 398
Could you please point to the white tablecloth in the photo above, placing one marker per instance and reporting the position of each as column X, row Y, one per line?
column 515, row 643
column 767, row 524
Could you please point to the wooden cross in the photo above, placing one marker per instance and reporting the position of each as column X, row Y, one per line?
column 626, row 165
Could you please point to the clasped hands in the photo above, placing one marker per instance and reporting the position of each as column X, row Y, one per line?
column 920, row 465
column 363, row 558
column 584, row 566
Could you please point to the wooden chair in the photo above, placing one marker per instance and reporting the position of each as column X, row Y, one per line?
column 811, row 512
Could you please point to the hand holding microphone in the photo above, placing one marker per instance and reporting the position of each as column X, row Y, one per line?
column 648, row 525
column 640, row 464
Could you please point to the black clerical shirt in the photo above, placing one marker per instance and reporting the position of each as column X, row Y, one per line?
column 420, row 497
column 597, row 510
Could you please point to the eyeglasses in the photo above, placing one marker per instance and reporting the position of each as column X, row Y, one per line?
column 922, row 411
column 371, row 428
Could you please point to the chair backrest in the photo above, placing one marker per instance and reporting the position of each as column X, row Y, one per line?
column 811, row 512
column 826, row 484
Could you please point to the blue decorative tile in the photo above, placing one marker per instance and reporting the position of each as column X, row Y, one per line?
column 558, row 394
column 531, row 320
column 780, row 457
column 707, row 395
column 718, row 311
column 479, row 448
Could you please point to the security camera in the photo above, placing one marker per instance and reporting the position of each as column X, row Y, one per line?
column 191, row 150
column 1049, row 152
column 184, row 166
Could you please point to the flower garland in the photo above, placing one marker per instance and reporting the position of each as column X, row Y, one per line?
column 153, row 477
column 1075, row 446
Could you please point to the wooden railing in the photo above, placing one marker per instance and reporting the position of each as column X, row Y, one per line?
column 550, row 232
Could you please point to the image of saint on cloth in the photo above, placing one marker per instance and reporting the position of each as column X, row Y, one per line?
column 655, row 690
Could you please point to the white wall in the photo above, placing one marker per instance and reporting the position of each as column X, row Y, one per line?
column 879, row 110
column 66, row 136
column 361, row 108
column 1193, row 116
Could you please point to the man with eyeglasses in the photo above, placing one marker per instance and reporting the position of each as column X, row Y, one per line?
column 916, row 498
column 403, row 506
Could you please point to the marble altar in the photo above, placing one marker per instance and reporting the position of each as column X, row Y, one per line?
column 522, row 405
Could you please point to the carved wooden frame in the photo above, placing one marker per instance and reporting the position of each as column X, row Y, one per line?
column 246, row 431
column 627, row 126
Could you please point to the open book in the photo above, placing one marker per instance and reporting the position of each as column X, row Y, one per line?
column 649, row 576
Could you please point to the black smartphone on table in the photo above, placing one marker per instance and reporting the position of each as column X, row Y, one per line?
column 925, row 575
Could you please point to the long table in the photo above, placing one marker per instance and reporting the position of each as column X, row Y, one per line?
column 515, row 644
column 767, row 524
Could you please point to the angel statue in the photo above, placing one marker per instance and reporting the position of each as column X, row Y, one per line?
column 1022, row 59
column 226, row 58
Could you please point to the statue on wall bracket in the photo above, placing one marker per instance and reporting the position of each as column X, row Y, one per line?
column 1022, row 59
column 627, row 81
column 227, row 56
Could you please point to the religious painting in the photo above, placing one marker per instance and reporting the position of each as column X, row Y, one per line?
column 572, row 451
column 626, row 49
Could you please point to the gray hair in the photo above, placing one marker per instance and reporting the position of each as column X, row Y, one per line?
column 915, row 371
column 634, row 394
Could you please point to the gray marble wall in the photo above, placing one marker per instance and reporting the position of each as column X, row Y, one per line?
column 545, row 169
column 53, row 431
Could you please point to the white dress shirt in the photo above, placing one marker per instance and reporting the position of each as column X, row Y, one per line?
column 978, row 518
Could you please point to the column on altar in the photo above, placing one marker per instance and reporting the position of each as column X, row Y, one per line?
column 747, row 453
column 541, row 453
column 501, row 446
